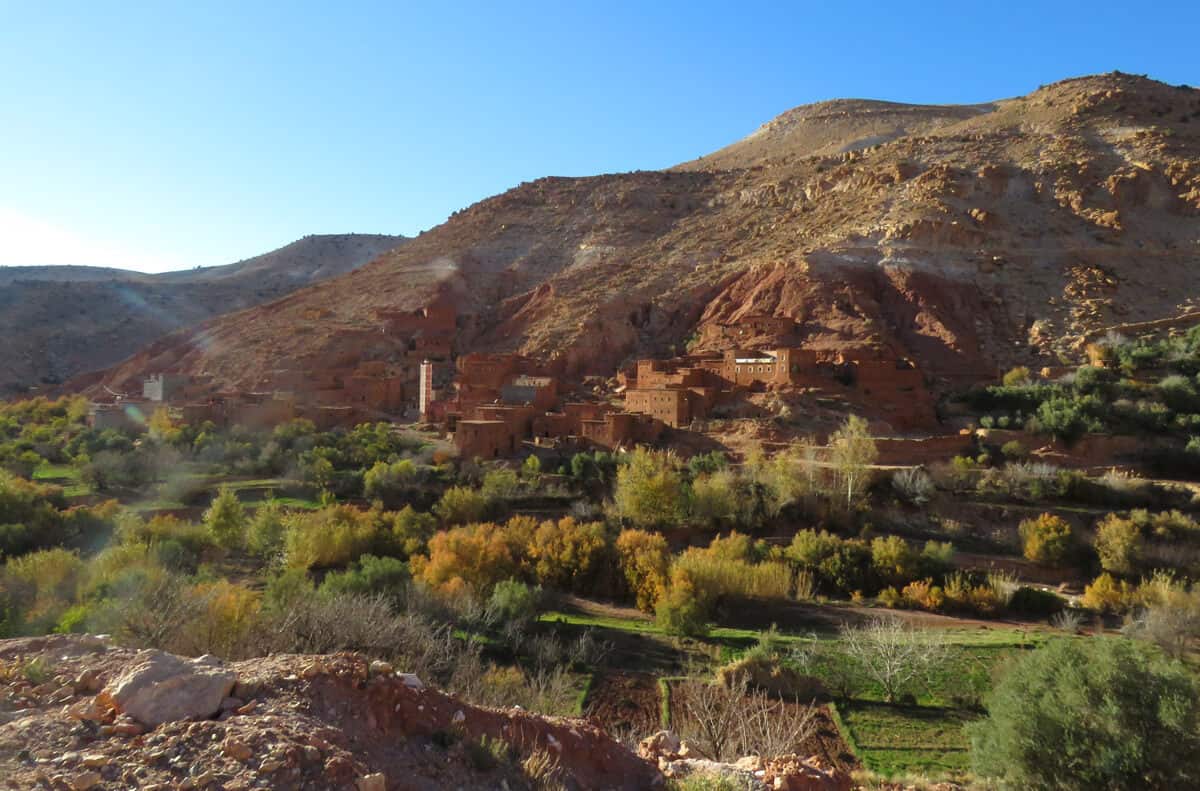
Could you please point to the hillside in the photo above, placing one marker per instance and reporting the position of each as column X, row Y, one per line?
column 968, row 238
column 61, row 321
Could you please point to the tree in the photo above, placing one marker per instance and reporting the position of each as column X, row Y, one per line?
column 566, row 554
column 644, row 560
column 1076, row 715
column 893, row 653
column 852, row 452
column 714, row 499
column 476, row 556
column 650, row 489
column 390, row 482
column 1119, row 545
column 683, row 608
column 1046, row 539
column 1170, row 617
column 226, row 519
column 461, row 505
column 724, row 722
column 264, row 535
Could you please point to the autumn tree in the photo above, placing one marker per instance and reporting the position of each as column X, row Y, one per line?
column 645, row 561
column 475, row 556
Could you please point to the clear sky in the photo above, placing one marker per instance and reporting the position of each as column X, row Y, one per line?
column 167, row 134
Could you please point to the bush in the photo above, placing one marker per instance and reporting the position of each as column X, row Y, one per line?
column 567, row 555
column 718, row 577
column 914, row 485
column 226, row 520
column 474, row 557
column 1013, row 450
column 1016, row 377
column 893, row 560
column 1088, row 714
column 370, row 575
column 681, row 610
column 36, row 589
column 650, row 490
column 265, row 533
column 501, row 483
column 714, row 500
column 514, row 601
column 1046, row 539
column 411, row 530
column 1119, row 545
column 391, row 483
column 1035, row 602
column 333, row 536
column 1107, row 594
column 461, row 505
column 767, row 673
column 924, row 594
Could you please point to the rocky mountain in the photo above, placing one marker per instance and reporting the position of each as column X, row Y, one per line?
column 61, row 321
column 969, row 238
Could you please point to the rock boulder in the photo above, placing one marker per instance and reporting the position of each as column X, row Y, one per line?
column 159, row 687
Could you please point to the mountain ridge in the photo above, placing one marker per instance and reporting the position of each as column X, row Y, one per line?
column 982, row 240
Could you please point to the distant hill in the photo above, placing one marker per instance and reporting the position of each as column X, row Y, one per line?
column 62, row 321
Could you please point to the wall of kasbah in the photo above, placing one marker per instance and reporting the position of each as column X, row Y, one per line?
column 485, row 439
column 672, row 406
column 923, row 450
column 1090, row 450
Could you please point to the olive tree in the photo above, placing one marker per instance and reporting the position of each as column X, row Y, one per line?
column 1080, row 714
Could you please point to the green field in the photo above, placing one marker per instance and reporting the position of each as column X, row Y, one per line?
column 895, row 740
column 924, row 737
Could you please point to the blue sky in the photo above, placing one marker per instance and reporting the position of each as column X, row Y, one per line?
column 169, row 134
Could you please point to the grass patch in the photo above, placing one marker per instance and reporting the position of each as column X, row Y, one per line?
column 306, row 504
column 584, row 691
column 56, row 473
column 898, row 740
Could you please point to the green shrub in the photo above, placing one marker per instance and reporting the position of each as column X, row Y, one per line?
column 650, row 490
column 514, row 601
column 1016, row 377
column 330, row 537
column 1035, row 602
column 461, row 505
column 226, row 519
column 893, row 559
column 1077, row 715
column 266, row 529
column 369, row 575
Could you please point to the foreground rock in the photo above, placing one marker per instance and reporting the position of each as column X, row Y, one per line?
column 162, row 687
column 305, row 722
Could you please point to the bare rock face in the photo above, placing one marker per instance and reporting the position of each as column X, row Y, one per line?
column 162, row 687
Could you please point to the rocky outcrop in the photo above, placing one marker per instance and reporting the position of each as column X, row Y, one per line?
column 296, row 722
